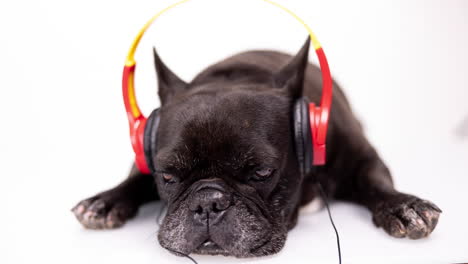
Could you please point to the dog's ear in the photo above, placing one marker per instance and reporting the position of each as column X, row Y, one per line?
column 168, row 83
column 291, row 76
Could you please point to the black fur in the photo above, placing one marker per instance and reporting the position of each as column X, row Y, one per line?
column 218, row 137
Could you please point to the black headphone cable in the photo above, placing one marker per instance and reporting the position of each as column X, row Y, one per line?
column 325, row 200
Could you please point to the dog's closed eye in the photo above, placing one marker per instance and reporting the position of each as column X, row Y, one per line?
column 262, row 174
column 168, row 177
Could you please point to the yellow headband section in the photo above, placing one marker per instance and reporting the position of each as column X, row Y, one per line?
column 130, row 61
column 313, row 38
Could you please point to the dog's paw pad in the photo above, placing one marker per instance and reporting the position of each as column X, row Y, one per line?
column 99, row 213
column 408, row 217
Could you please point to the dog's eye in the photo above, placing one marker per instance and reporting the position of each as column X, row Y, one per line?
column 262, row 174
column 168, row 178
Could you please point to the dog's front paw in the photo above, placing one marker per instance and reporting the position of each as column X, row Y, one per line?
column 406, row 216
column 104, row 212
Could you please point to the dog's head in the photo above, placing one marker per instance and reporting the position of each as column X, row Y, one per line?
column 225, row 159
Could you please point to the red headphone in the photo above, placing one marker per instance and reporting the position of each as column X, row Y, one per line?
column 310, row 121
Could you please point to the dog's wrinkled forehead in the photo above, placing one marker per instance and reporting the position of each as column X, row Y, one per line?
column 236, row 128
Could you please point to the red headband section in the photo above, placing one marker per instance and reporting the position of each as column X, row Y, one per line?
column 319, row 115
column 136, row 120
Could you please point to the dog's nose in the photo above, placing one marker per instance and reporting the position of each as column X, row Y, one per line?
column 209, row 205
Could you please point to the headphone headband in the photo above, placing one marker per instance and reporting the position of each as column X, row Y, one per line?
column 318, row 114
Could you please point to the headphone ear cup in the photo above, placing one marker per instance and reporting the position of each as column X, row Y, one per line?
column 303, row 135
column 149, row 138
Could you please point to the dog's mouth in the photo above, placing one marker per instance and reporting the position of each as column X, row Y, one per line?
column 210, row 244
column 210, row 247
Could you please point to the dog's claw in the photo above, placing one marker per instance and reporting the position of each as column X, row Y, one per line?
column 101, row 213
column 408, row 217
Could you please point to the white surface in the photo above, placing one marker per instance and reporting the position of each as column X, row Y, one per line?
column 64, row 134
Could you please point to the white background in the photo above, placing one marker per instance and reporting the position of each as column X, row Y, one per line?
column 64, row 134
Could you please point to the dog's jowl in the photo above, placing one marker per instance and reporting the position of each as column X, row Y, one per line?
column 227, row 167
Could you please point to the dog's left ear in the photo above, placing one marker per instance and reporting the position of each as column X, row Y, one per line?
column 168, row 83
column 291, row 76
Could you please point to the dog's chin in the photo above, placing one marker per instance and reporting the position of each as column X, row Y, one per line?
column 264, row 247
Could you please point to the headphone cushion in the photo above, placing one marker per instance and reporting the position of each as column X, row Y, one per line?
column 303, row 135
column 149, row 138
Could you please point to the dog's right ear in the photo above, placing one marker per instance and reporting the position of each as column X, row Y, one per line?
column 291, row 76
column 169, row 84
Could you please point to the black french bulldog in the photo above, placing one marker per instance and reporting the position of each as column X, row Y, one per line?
column 227, row 166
